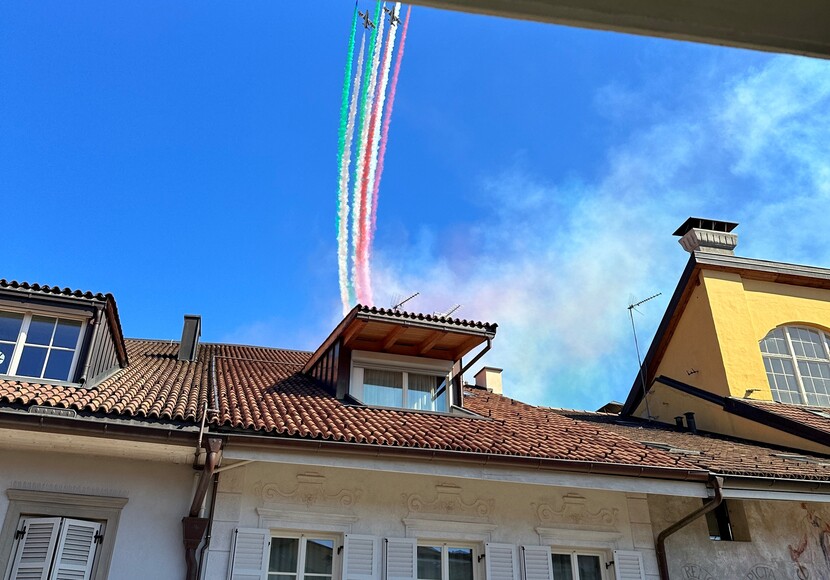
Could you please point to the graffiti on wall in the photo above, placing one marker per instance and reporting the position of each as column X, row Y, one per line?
column 695, row 572
column 760, row 573
column 811, row 555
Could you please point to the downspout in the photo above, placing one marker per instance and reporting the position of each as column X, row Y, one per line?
column 212, row 508
column 193, row 526
column 662, row 562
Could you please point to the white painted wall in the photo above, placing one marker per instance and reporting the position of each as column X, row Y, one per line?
column 280, row 496
column 149, row 541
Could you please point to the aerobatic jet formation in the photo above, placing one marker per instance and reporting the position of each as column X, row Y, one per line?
column 367, row 23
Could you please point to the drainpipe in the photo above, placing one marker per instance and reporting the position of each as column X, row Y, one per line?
column 211, row 510
column 662, row 562
column 193, row 526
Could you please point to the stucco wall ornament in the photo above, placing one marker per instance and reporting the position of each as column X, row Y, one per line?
column 448, row 504
column 760, row 572
column 310, row 490
column 572, row 511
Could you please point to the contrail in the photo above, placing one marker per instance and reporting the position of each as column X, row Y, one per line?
column 358, row 197
column 367, row 186
column 343, row 197
column 387, row 117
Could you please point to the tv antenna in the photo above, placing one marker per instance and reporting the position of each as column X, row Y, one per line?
column 447, row 313
column 631, row 308
column 398, row 303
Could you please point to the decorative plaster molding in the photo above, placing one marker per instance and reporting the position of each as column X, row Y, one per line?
column 581, row 538
column 449, row 530
column 448, row 505
column 574, row 513
column 295, row 520
column 309, row 491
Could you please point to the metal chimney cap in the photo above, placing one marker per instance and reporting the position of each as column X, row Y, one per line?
column 705, row 224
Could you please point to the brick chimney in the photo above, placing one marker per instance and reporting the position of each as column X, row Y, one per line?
column 490, row 379
column 711, row 236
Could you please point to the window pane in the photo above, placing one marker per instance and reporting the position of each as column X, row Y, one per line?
column 272, row 576
column 384, row 388
column 318, row 556
column 31, row 361
column 562, row 567
column 781, row 377
column 40, row 330
column 284, row 555
column 588, row 567
column 807, row 343
column 429, row 562
column 426, row 393
column 66, row 334
column 10, row 323
column 461, row 563
column 59, row 364
column 775, row 342
column 6, row 351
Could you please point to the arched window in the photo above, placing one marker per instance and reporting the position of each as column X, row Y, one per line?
column 797, row 360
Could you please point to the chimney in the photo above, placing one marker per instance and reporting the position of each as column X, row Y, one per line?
column 711, row 236
column 189, row 346
column 490, row 379
column 679, row 421
column 690, row 422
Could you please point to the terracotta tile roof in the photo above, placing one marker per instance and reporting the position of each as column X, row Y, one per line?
column 391, row 313
column 803, row 414
column 53, row 290
column 722, row 455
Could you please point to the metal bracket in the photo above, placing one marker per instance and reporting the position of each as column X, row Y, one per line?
column 98, row 538
column 481, row 557
column 20, row 533
column 609, row 564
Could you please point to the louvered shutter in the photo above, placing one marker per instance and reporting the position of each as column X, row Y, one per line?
column 249, row 560
column 75, row 553
column 628, row 565
column 361, row 557
column 536, row 563
column 501, row 562
column 34, row 551
column 401, row 559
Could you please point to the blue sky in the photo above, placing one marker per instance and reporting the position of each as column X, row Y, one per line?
column 182, row 155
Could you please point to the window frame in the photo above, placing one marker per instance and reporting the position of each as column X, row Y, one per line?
column 29, row 503
column 304, row 536
column 28, row 313
column 794, row 359
column 575, row 552
column 475, row 547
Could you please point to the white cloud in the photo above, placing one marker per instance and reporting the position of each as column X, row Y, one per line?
column 556, row 264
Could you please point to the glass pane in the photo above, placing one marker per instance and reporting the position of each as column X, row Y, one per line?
column 461, row 563
column 40, row 330
column 272, row 576
column 66, row 334
column 426, row 393
column 318, row 556
column 284, row 555
column 429, row 562
column 807, row 343
column 10, row 323
column 31, row 361
column 6, row 350
column 384, row 388
column 775, row 343
column 588, row 567
column 58, row 366
column 562, row 567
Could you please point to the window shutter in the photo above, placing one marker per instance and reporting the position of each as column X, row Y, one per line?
column 401, row 559
column 34, row 551
column 249, row 560
column 628, row 565
column 361, row 557
column 500, row 560
column 537, row 563
column 75, row 553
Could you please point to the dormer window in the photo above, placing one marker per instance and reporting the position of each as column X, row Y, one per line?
column 797, row 361
column 39, row 346
column 384, row 380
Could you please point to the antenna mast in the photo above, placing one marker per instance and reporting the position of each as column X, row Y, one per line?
column 397, row 306
column 631, row 309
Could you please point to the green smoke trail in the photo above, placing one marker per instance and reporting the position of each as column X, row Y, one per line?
column 362, row 109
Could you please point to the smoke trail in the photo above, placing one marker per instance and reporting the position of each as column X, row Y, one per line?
column 384, row 138
column 358, row 206
column 343, row 198
column 343, row 201
column 369, row 171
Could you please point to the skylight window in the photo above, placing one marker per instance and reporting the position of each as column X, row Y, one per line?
column 38, row 346
column 797, row 361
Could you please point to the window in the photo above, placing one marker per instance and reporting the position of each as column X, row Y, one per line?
column 43, row 347
column 728, row 523
column 445, row 562
column 797, row 361
column 399, row 381
column 301, row 557
column 54, row 549
column 577, row 566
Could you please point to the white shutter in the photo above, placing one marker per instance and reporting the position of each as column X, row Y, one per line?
column 401, row 559
column 628, row 565
column 537, row 563
column 501, row 562
column 361, row 557
column 34, row 551
column 249, row 554
column 75, row 553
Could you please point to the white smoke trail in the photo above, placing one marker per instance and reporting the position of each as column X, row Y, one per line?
column 343, row 232
column 357, row 198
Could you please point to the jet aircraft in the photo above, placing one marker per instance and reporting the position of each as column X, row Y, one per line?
column 366, row 22
column 393, row 18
